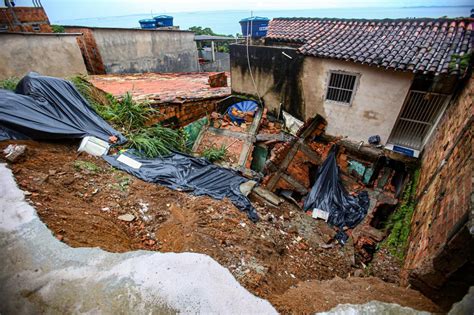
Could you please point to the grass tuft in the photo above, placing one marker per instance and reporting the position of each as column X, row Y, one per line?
column 214, row 154
column 9, row 84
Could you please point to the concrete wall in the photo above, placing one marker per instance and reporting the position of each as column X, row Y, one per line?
column 135, row 51
column 48, row 54
column 378, row 98
column 300, row 82
column 440, row 257
column 278, row 77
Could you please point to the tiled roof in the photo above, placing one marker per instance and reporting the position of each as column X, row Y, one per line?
column 160, row 87
column 418, row 45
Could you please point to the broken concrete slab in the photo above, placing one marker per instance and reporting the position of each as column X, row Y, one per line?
column 267, row 195
column 42, row 274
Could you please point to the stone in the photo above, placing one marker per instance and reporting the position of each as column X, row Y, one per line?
column 127, row 217
column 14, row 152
column 246, row 188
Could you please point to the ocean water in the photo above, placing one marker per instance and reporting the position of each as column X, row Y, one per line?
column 227, row 22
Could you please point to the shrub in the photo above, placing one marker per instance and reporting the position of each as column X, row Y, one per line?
column 400, row 220
column 9, row 84
column 214, row 154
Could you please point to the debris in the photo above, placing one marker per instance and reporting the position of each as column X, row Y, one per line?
column 328, row 194
column 194, row 175
column 240, row 112
column 217, row 80
column 267, row 195
column 246, row 188
column 291, row 123
column 94, row 146
column 320, row 214
column 126, row 217
column 14, row 152
column 374, row 140
column 129, row 161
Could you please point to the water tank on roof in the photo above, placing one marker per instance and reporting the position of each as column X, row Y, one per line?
column 147, row 24
column 163, row 21
column 254, row 26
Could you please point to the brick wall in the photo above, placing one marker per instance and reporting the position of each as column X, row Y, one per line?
column 90, row 51
column 27, row 17
column 181, row 114
column 444, row 199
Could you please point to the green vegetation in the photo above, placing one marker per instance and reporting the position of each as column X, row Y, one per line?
column 9, row 84
column 464, row 62
column 214, row 154
column 127, row 113
column 130, row 117
column 158, row 141
column 58, row 28
column 199, row 30
column 123, row 181
column 86, row 166
column 399, row 222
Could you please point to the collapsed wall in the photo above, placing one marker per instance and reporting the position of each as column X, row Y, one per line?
column 440, row 257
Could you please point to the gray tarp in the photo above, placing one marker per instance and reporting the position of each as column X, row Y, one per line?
column 51, row 108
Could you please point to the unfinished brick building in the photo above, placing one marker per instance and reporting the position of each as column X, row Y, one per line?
column 24, row 19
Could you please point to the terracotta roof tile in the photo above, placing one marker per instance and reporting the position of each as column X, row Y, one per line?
column 419, row 45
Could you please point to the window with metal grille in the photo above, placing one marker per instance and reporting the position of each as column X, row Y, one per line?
column 417, row 118
column 341, row 87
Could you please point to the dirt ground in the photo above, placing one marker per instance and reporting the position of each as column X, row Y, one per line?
column 282, row 258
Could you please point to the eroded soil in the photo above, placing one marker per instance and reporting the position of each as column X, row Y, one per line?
column 281, row 258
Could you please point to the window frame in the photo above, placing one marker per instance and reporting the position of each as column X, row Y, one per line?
column 354, row 89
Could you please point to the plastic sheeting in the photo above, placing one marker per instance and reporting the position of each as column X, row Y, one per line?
column 195, row 175
column 328, row 194
column 244, row 106
column 49, row 108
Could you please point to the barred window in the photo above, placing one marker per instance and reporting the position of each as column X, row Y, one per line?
column 341, row 87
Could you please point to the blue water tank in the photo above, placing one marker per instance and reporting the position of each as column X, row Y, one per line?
column 147, row 24
column 255, row 25
column 163, row 20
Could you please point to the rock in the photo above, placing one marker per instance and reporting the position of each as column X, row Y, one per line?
column 358, row 273
column 14, row 152
column 127, row 217
column 267, row 195
column 247, row 187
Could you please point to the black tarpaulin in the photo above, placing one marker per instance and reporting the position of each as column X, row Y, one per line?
column 328, row 194
column 50, row 108
column 195, row 175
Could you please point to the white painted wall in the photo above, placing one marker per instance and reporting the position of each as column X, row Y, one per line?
column 377, row 101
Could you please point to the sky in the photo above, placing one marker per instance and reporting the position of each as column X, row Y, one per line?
column 69, row 9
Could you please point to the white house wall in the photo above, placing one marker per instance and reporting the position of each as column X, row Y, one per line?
column 378, row 99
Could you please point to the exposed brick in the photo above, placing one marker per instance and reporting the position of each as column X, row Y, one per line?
column 26, row 16
column 89, row 49
column 443, row 192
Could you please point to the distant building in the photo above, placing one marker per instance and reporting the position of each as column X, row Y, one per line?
column 24, row 19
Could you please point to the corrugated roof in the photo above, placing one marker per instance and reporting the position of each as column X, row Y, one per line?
column 418, row 45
